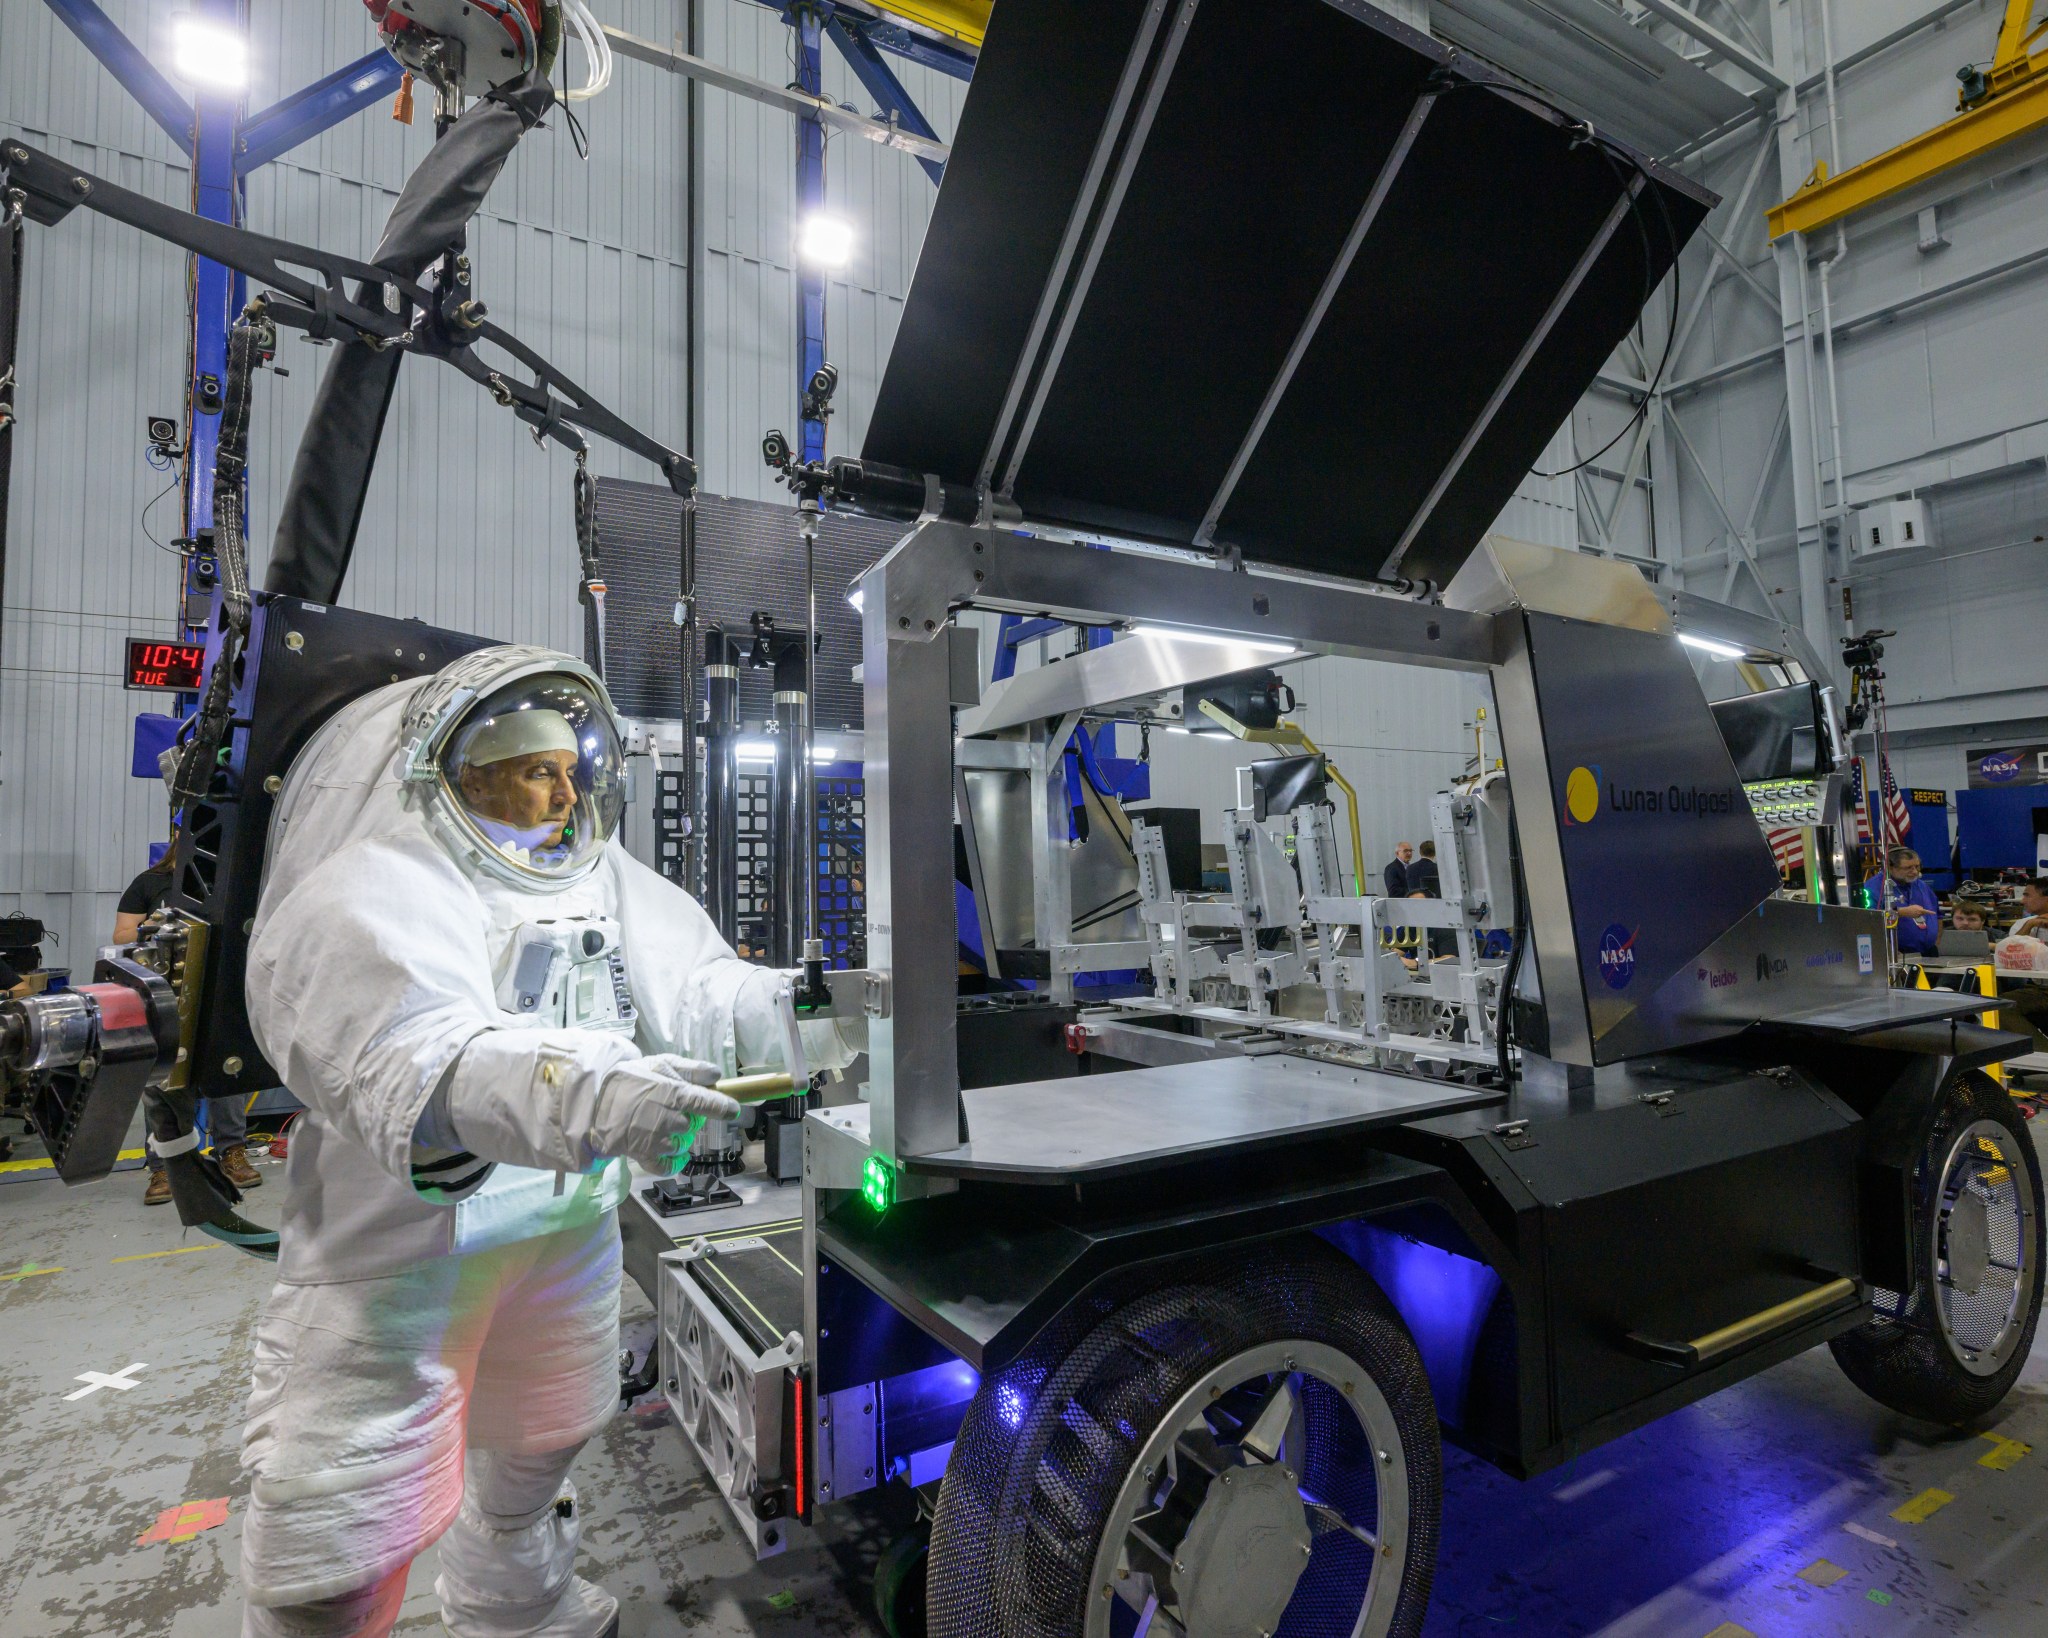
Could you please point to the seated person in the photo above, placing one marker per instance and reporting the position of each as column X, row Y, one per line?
column 1967, row 933
column 2026, row 1002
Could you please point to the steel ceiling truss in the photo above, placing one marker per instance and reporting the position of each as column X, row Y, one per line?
column 308, row 291
column 224, row 145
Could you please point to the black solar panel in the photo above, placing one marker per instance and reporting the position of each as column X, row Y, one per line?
column 749, row 557
column 1278, row 274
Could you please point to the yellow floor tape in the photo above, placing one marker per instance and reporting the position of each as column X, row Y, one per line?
column 175, row 1251
column 2004, row 1452
column 1922, row 1507
column 46, row 1165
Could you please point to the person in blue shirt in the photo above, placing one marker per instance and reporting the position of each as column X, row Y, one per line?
column 1900, row 892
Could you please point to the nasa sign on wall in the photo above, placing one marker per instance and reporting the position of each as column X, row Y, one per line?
column 1999, row 765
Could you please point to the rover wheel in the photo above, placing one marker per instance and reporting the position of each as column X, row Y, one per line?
column 1949, row 1349
column 1247, row 1447
column 900, row 1584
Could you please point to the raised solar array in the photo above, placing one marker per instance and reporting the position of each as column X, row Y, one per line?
column 1277, row 274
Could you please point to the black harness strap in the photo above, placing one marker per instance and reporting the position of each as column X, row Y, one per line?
column 591, row 592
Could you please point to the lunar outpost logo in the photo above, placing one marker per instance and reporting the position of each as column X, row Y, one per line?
column 1582, row 795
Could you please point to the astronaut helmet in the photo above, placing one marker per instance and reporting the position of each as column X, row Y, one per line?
column 517, row 755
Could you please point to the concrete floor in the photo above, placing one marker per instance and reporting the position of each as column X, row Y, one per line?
column 1701, row 1526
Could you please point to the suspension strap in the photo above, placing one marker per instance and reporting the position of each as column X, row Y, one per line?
column 591, row 592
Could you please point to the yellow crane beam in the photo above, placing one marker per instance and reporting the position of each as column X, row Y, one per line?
column 964, row 20
column 2014, row 102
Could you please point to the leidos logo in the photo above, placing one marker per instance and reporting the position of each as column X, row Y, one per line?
column 1618, row 956
column 1582, row 795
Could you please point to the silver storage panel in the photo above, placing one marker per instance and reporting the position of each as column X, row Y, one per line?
column 727, row 1398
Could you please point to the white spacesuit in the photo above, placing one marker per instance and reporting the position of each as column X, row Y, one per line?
column 482, row 1005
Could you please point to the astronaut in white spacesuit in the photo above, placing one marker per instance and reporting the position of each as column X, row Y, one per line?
column 487, row 1009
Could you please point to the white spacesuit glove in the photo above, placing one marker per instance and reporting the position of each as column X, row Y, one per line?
column 565, row 1102
column 833, row 1043
column 645, row 1109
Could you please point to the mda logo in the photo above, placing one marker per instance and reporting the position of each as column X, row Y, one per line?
column 1618, row 956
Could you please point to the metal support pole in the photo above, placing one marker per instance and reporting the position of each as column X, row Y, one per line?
column 686, row 624
column 720, row 833
column 807, row 772
column 120, row 56
column 809, row 24
column 789, row 836
column 892, row 101
column 1796, row 313
column 914, row 1086
column 217, row 296
column 315, row 108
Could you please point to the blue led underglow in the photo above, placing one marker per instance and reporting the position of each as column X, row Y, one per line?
column 1444, row 1298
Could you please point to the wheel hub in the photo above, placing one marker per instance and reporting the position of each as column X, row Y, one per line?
column 1984, row 1278
column 1968, row 1244
column 1213, row 1533
column 1243, row 1553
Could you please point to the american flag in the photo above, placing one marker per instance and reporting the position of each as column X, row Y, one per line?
column 1859, row 810
column 1787, row 847
column 1898, row 820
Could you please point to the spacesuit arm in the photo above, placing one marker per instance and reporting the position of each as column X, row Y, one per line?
column 694, row 994
column 366, row 981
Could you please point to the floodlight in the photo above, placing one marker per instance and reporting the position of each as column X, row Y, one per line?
column 208, row 54
column 824, row 241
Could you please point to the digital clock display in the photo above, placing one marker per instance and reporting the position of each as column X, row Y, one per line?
column 156, row 664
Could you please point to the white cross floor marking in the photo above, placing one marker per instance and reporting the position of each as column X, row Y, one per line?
column 96, row 1380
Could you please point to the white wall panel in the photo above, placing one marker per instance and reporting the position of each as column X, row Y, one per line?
column 467, row 523
column 1399, row 733
column 751, row 282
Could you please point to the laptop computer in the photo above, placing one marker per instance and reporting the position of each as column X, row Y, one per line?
column 1963, row 942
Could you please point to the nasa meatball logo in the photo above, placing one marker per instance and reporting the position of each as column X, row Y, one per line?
column 1618, row 956
column 2000, row 766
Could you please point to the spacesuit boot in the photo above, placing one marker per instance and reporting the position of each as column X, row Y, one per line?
column 507, row 1562
column 370, row 1612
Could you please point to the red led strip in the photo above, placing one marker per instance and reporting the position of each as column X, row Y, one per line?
column 796, row 1396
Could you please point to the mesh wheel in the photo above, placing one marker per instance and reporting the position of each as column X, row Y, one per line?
column 900, row 1584
column 1949, row 1349
column 1243, row 1444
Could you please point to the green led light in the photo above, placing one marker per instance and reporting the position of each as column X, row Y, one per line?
column 878, row 1183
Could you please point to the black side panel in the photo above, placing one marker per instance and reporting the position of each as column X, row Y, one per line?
column 1669, row 1221
column 983, row 1270
column 1003, row 1040
column 305, row 661
column 749, row 557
